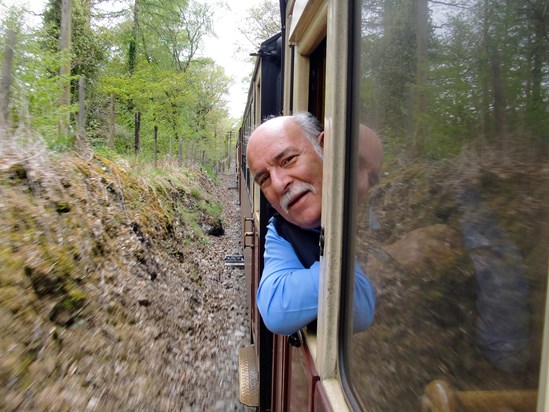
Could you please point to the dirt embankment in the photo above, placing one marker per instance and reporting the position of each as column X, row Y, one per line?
column 113, row 290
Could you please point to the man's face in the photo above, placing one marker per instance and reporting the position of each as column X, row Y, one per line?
column 288, row 169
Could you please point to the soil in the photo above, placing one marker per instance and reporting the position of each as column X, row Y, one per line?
column 113, row 296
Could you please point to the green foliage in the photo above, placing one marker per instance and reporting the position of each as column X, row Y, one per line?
column 87, row 46
column 171, row 87
column 261, row 22
column 35, row 91
column 213, row 209
column 74, row 300
column 167, row 84
column 59, row 143
column 196, row 193
column 184, row 105
column 170, row 31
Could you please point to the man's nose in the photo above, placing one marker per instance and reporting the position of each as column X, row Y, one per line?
column 280, row 180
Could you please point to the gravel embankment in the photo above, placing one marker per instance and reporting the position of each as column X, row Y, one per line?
column 217, row 386
column 162, row 321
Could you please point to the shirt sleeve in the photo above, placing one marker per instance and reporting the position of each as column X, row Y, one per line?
column 287, row 296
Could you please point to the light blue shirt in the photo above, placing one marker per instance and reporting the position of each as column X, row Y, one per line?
column 287, row 296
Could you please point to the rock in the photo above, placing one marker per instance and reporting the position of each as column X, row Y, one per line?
column 215, row 228
column 143, row 301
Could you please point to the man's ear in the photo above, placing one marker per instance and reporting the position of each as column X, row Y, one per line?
column 320, row 139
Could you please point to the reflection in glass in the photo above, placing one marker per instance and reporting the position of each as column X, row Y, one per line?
column 455, row 236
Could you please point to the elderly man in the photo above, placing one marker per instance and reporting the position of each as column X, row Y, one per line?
column 285, row 156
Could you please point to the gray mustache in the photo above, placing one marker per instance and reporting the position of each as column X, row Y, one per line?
column 295, row 190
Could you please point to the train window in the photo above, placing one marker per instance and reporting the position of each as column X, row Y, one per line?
column 452, row 227
column 317, row 79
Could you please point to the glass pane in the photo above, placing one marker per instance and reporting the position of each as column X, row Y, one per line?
column 453, row 229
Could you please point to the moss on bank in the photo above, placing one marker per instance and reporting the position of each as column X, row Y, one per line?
column 67, row 224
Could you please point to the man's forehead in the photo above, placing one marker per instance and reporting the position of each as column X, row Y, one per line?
column 277, row 131
column 270, row 129
column 265, row 151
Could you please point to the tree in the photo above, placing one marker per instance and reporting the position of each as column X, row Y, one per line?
column 7, row 74
column 88, row 47
column 168, row 33
column 168, row 84
column 260, row 23
column 65, row 69
column 82, row 50
column 398, row 64
column 536, row 27
column 420, row 109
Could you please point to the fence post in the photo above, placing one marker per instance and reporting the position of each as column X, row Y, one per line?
column 137, row 132
column 112, row 121
column 155, row 145
column 180, row 158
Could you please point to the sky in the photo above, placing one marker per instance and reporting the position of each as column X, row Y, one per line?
column 223, row 50
column 222, row 47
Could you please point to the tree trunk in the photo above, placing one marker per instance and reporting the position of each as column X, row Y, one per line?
column 495, row 96
column 500, row 120
column 535, row 107
column 7, row 71
column 65, row 69
column 82, row 105
column 132, row 49
column 422, row 40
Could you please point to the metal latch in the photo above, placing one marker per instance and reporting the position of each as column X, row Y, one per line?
column 295, row 339
column 321, row 241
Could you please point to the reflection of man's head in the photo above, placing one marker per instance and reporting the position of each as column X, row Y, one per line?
column 370, row 159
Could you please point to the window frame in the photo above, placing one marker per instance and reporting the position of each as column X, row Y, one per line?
column 350, row 201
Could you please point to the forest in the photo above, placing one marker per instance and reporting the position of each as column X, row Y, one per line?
column 126, row 78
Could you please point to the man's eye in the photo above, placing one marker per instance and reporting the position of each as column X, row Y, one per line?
column 263, row 181
column 288, row 160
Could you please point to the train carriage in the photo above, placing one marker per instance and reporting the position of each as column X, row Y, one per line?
column 455, row 235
